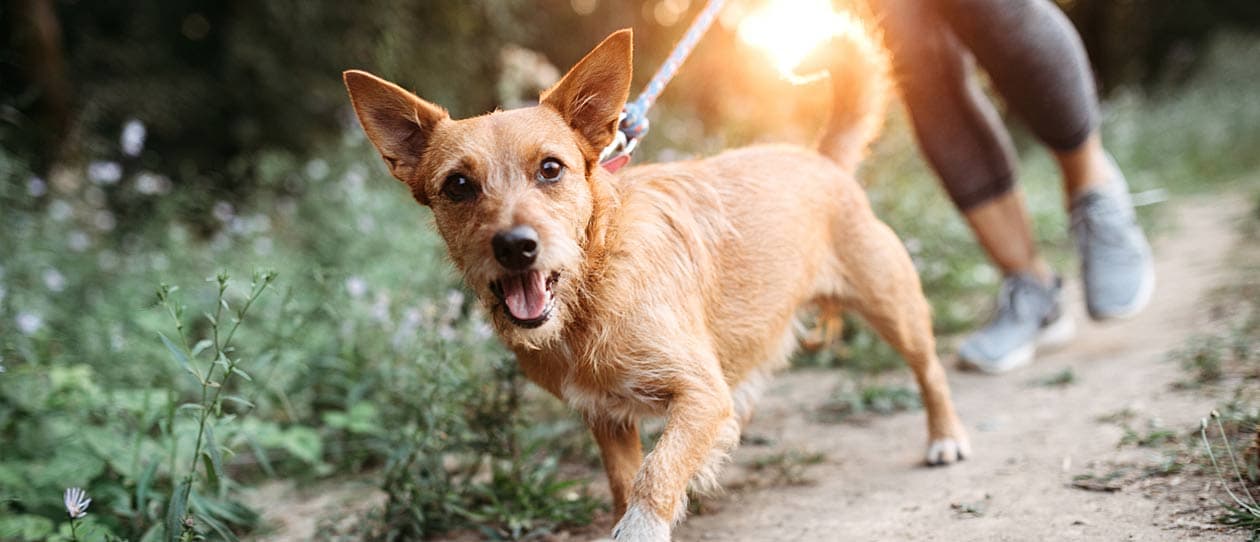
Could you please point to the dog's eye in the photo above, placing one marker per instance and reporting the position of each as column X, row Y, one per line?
column 550, row 170
column 459, row 188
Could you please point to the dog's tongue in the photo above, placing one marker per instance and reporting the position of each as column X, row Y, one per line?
column 526, row 295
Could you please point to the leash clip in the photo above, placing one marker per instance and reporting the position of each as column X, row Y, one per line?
column 617, row 154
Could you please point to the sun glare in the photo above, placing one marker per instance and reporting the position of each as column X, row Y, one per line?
column 789, row 30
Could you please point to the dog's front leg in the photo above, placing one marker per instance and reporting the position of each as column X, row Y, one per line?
column 694, row 420
column 622, row 453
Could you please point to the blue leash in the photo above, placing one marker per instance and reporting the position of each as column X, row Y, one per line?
column 634, row 123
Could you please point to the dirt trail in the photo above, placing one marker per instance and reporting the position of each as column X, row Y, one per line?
column 1029, row 440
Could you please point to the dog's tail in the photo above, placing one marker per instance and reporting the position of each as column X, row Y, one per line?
column 861, row 86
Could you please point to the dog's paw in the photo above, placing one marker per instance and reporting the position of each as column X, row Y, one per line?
column 944, row 451
column 640, row 525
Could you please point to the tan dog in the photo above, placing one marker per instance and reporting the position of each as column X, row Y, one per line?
column 669, row 289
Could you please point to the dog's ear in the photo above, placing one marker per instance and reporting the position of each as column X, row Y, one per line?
column 397, row 122
column 591, row 95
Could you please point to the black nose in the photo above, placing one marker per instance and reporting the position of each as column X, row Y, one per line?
column 516, row 248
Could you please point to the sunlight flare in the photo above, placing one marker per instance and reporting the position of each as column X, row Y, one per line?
column 789, row 30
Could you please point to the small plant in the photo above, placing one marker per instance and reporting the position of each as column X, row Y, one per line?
column 186, row 512
column 1153, row 438
column 875, row 399
column 1244, row 511
column 1204, row 358
column 787, row 468
column 1063, row 378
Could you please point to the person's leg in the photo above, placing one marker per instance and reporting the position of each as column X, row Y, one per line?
column 1037, row 62
column 959, row 132
column 963, row 139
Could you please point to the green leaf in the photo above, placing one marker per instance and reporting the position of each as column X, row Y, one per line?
column 25, row 527
column 178, row 353
column 212, row 473
column 144, row 484
column 176, row 509
column 241, row 373
column 201, row 346
column 215, row 468
column 239, row 401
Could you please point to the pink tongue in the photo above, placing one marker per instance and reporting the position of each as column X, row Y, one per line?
column 526, row 296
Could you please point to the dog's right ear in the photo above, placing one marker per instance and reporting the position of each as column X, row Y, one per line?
column 591, row 95
column 397, row 122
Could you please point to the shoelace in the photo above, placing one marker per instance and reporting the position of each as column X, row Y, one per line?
column 1099, row 220
column 1013, row 298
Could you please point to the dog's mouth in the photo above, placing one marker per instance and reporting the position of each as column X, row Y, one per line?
column 527, row 297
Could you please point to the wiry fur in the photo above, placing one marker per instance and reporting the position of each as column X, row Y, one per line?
column 679, row 283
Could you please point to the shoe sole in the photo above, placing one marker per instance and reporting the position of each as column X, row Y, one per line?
column 1052, row 336
column 1140, row 301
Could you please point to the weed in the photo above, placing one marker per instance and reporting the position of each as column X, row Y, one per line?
column 788, row 467
column 1063, row 378
column 1203, row 357
column 875, row 399
column 1243, row 511
column 1152, row 438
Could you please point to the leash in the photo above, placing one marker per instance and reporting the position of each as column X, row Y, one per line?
column 633, row 123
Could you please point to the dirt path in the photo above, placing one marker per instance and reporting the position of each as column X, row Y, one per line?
column 1029, row 440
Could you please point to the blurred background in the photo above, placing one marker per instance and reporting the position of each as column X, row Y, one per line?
column 146, row 146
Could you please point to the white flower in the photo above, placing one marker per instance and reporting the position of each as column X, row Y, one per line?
column 78, row 241
column 77, row 502
column 29, row 323
column 54, row 280
column 36, row 187
column 104, row 172
column 224, row 211
column 132, row 138
column 104, row 220
column 356, row 287
column 59, row 210
column 150, row 184
column 317, row 169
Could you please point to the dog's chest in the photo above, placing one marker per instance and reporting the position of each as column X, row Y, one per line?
column 618, row 403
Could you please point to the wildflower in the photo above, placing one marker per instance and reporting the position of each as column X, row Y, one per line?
column 29, row 323
column 77, row 502
column 356, row 287
column 224, row 211
column 150, row 184
column 317, row 169
column 36, row 187
column 101, row 172
column 103, row 221
column 60, row 211
column 132, row 138
column 78, row 241
column 54, row 280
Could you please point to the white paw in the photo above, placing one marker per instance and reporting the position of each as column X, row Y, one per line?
column 640, row 525
column 947, row 450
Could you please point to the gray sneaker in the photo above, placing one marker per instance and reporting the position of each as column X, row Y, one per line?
column 1116, row 266
column 1029, row 315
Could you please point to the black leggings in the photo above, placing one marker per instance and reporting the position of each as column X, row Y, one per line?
column 1035, row 60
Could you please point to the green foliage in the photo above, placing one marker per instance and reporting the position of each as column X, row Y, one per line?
column 1063, row 378
column 874, row 399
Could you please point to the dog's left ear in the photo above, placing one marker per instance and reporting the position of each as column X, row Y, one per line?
column 591, row 95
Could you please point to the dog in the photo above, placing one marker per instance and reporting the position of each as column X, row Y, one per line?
column 666, row 289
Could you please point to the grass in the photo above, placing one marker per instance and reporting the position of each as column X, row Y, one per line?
column 869, row 399
column 1063, row 378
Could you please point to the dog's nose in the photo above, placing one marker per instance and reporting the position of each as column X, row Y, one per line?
column 516, row 248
